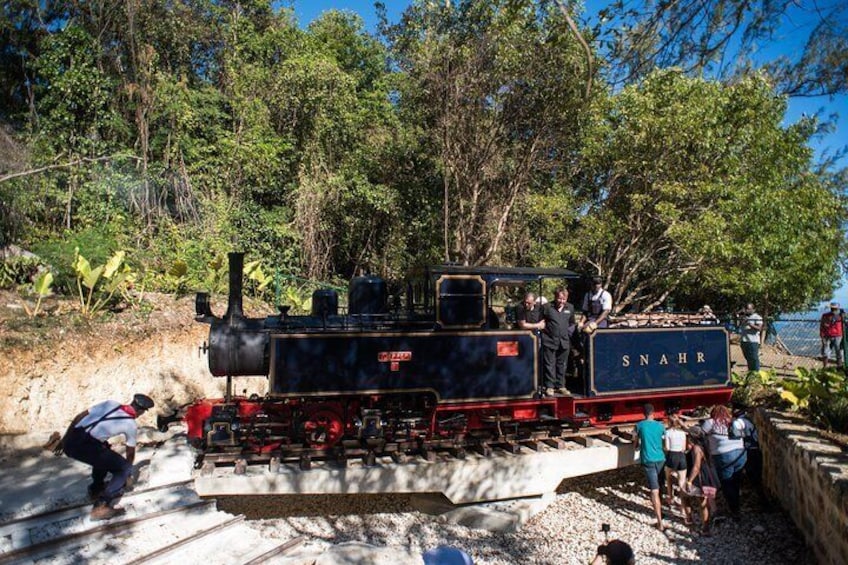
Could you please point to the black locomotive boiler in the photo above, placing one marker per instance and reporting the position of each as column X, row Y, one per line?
column 431, row 365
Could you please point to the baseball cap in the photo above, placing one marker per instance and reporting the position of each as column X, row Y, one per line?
column 143, row 401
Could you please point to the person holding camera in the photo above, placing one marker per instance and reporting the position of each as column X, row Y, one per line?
column 830, row 331
column 614, row 552
column 750, row 326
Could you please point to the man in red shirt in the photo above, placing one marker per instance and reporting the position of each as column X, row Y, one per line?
column 830, row 330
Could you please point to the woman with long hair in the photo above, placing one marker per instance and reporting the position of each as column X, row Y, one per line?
column 701, row 481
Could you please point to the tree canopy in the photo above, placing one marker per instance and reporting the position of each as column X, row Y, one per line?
column 466, row 131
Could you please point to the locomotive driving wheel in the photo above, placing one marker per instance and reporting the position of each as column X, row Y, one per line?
column 323, row 426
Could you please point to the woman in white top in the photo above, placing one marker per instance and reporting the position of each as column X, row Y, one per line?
column 674, row 439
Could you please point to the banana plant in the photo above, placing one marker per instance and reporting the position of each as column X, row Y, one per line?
column 254, row 272
column 42, row 287
column 101, row 282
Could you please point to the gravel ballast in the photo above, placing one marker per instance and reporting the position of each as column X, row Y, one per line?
column 568, row 531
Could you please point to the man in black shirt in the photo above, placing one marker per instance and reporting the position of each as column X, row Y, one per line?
column 529, row 314
column 556, row 342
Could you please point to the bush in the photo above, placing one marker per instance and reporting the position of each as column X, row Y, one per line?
column 831, row 413
column 19, row 271
column 99, row 245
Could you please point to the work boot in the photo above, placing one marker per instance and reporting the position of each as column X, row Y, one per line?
column 549, row 391
column 94, row 492
column 562, row 390
column 105, row 512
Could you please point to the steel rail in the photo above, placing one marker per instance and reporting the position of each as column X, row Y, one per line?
column 282, row 548
column 82, row 504
column 12, row 556
column 187, row 540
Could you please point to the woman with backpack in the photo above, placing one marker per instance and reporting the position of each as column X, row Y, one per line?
column 701, row 481
column 727, row 450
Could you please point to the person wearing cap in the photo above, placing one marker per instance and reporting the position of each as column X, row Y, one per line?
column 597, row 304
column 708, row 318
column 830, row 330
column 87, row 440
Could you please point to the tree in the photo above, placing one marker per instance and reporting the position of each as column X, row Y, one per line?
column 721, row 38
column 695, row 185
column 499, row 87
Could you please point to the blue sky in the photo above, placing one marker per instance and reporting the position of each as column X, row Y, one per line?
column 789, row 40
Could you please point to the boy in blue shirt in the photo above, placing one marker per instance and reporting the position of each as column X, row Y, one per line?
column 649, row 440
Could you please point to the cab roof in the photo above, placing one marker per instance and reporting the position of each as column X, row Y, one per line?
column 503, row 274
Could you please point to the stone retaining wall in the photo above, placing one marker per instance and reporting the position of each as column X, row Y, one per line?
column 808, row 474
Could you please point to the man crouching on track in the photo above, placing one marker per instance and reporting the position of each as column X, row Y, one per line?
column 87, row 440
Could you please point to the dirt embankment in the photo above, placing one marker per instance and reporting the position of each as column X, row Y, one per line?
column 55, row 366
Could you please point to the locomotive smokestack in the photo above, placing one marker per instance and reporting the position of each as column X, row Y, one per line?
column 235, row 311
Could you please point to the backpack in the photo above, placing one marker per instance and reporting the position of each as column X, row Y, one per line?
column 742, row 428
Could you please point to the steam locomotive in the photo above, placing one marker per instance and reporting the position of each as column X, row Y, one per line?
column 430, row 365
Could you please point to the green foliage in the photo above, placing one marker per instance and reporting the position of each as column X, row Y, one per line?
column 42, row 287
column 97, row 286
column 832, row 412
column 697, row 187
column 185, row 130
column 59, row 252
column 821, row 393
column 19, row 270
column 809, row 384
column 492, row 87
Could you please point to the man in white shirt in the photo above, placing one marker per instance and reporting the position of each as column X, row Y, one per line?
column 597, row 304
column 751, row 324
column 87, row 440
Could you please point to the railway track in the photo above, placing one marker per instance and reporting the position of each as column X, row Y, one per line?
column 164, row 524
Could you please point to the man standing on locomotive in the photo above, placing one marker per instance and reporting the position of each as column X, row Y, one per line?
column 87, row 441
column 597, row 305
column 557, row 316
column 529, row 314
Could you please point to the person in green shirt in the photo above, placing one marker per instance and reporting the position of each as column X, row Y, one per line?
column 649, row 441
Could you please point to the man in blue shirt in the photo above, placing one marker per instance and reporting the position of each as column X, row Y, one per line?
column 649, row 441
